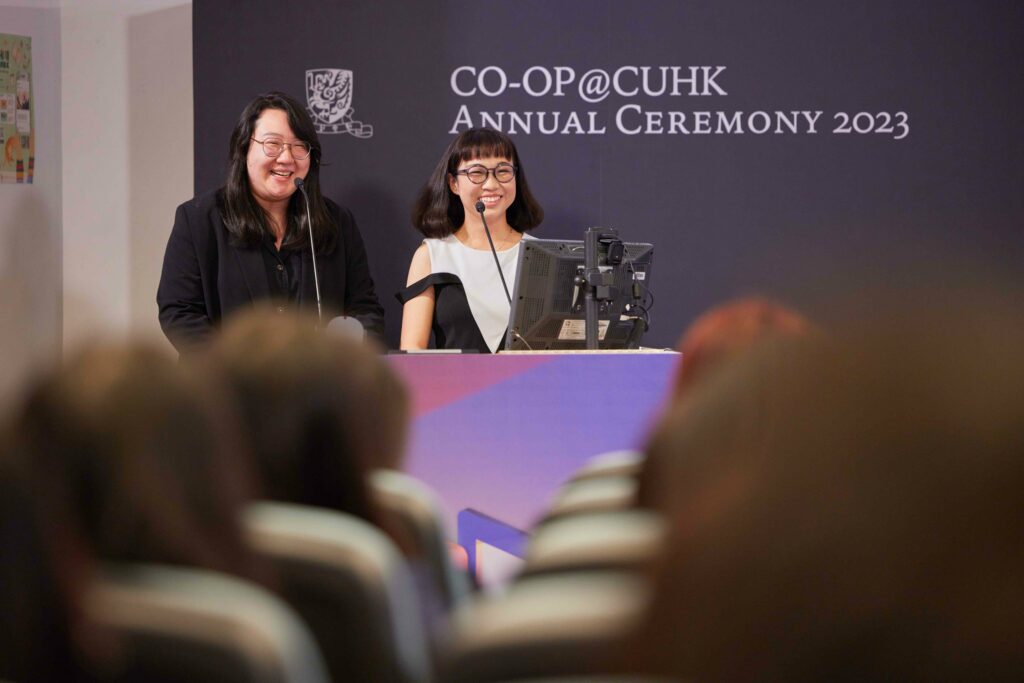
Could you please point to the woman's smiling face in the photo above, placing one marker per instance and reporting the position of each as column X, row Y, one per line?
column 272, row 180
column 496, row 196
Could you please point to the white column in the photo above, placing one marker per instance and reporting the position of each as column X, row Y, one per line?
column 128, row 158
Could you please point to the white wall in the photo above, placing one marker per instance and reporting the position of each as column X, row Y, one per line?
column 30, row 215
column 128, row 157
column 81, row 248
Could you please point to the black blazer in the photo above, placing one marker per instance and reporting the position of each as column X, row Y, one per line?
column 205, row 278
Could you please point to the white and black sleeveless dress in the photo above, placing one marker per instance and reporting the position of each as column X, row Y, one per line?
column 470, row 308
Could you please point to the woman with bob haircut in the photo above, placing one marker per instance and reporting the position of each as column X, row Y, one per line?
column 454, row 288
column 249, row 240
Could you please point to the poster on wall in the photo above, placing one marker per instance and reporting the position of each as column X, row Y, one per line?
column 17, row 132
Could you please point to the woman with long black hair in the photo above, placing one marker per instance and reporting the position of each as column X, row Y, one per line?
column 249, row 241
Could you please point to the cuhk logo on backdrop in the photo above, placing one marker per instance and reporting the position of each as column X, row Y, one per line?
column 329, row 97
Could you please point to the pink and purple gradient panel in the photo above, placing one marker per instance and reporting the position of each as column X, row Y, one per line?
column 500, row 434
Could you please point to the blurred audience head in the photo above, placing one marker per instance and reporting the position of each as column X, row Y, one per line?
column 137, row 456
column 728, row 330
column 322, row 410
column 849, row 508
column 116, row 455
column 716, row 339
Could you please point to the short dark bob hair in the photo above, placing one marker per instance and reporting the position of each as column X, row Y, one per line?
column 438, row 211
column 245, row 219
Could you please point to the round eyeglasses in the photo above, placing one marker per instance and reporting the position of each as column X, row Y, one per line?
column 503, row 173
column 274, row 148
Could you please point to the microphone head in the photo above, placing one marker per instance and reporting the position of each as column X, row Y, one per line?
column 344, row 326
column 299, row 183
column 480, row 207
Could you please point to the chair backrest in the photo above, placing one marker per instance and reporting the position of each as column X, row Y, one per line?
column 622, row 463
column 350, row 584
column 563, row 624
column 600, row 494
column 177, row 625
column 414, row 506
column 619, row 540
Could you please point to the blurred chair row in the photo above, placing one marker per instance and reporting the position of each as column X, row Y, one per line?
column 348, row 609
column 172, row 624
column 581, row 591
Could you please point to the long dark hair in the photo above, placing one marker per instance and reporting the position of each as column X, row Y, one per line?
column 244, row 218
column 438, row 211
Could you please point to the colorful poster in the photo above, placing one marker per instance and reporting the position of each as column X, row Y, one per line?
column 17, row 125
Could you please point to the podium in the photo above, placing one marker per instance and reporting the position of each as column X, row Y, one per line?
column 495, row 436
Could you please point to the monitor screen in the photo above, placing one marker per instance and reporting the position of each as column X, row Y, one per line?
column 548, row 309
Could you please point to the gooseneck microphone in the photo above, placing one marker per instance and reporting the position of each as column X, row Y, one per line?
column 312, row 249
column 494, row 252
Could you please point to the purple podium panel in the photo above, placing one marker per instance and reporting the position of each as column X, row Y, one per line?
column 499, row 434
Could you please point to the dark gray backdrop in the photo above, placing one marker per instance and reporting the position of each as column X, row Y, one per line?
column 805, row 217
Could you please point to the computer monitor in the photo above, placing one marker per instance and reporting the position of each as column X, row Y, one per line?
column 548, row 309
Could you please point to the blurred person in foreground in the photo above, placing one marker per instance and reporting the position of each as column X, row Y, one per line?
column 712, row 342
column 35, row 638
column 249, row 241
column 729, row 330
column 849, row 509
column 123, row 456
column 322, row 412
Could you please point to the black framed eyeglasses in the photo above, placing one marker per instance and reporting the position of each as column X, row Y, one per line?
column 274, row 148
column 503, row 173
